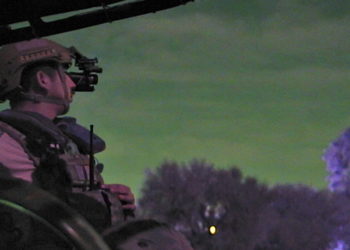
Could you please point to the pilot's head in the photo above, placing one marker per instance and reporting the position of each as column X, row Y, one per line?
column 34, row 71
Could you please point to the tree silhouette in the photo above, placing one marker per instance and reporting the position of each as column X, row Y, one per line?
column 247, row 214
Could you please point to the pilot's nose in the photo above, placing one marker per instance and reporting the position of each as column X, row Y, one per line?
column 70, row 82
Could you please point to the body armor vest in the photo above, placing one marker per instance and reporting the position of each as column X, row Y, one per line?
column 59, row 151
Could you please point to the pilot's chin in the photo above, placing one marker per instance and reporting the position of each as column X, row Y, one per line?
column 64, row 110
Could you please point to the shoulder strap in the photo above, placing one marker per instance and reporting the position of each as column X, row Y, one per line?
column 19, row 138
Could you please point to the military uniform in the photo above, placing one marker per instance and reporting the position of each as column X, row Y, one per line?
column 13, row 155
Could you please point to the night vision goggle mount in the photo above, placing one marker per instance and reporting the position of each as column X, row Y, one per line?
column 86, row 79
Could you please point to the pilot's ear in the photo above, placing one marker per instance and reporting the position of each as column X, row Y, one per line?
column 42, row 79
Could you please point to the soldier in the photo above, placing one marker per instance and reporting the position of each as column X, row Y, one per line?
column 40, row 147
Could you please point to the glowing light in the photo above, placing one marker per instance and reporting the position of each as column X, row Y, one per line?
column 213, row 230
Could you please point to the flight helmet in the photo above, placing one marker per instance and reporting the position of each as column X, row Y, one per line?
column 16, row 57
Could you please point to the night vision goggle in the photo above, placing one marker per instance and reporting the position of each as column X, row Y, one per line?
column 87, row 79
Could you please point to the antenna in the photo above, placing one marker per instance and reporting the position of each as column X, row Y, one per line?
column 92, row 160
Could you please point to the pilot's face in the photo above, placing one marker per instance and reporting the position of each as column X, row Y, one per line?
column 61, row 87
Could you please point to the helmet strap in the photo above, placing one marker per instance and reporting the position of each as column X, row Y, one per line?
column 40, row 98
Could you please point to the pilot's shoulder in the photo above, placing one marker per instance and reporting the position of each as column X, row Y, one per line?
column 8, row 132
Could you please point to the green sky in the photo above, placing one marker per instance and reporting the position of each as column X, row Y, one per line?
column 262, row 85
